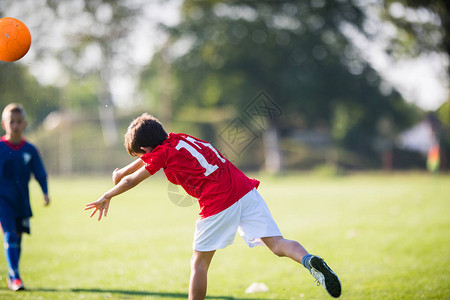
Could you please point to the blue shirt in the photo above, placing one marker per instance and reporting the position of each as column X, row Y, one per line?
column 17, row 162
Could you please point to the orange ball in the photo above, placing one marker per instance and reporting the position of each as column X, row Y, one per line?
column 15, row 39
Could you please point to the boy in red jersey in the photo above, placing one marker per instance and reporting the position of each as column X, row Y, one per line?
column 228, row 200
column 18, row 159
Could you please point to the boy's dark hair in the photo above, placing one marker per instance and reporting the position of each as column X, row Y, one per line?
column 144, row 131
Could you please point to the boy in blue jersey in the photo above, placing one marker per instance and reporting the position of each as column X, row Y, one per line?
column 18, row 159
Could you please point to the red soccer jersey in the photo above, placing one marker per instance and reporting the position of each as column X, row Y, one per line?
column 201, row 170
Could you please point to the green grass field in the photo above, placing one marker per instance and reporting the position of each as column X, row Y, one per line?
column 387, row 236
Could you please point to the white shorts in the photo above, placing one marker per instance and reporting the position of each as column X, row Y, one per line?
column 250, row 216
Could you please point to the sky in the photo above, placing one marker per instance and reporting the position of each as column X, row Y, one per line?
column 422, row 81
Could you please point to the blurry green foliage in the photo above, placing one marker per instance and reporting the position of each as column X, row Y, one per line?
column 223, row 53
column 16, row 85
column 421, row 26
column 217, row 60
column 443, row 113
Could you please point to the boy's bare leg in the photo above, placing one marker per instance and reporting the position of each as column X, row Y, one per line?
column 283, row 247
column 200, row 262
column 315, row 265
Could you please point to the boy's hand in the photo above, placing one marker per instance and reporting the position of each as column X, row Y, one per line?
column 46, row 200
column 100, row 205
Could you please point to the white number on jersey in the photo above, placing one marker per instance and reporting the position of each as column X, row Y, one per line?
column 200, row 158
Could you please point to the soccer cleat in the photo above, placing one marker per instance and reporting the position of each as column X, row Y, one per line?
column 325, row 276
column 15, row 284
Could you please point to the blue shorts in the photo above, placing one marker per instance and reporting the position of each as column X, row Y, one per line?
column 11, row 223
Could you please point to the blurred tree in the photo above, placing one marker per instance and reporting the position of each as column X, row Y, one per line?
column 222, row 54
column 84, row 48
column 99, row 47
column 80, row 40
column 443, row 114
column 422, row 25
column 37, row 100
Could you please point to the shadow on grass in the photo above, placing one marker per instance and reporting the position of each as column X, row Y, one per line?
column 141, row 293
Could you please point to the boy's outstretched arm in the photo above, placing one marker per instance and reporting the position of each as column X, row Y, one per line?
column 128, row 182
column 118, row 174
